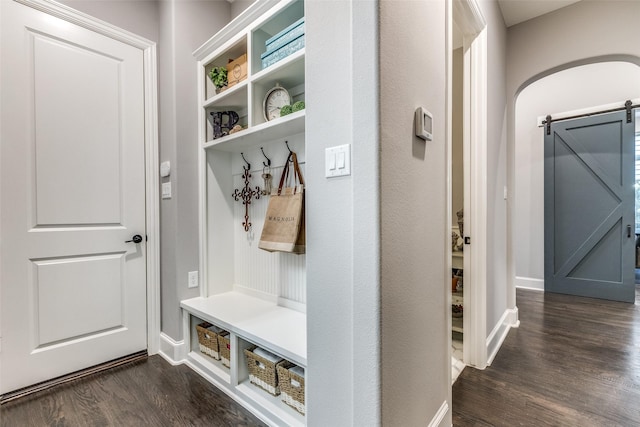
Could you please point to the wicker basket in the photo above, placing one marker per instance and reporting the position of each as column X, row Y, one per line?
column 208, row 339
column 292, row 388
column 225, row 349
column 263, row 372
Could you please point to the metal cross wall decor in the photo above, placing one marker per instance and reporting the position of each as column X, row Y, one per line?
column 246, row 194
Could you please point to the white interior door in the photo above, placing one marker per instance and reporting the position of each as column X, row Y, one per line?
column 72, row 292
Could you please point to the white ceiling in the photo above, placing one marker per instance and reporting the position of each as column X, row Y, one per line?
column 517, row 11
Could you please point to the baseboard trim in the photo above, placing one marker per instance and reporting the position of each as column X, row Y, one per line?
column 529, row 283
column 174, row 352
column 440, row 415
column 497, row 336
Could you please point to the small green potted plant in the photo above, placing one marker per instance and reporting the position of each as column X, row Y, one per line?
column 218, row 76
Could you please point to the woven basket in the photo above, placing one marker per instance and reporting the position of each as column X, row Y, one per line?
column 263, row 373
column 208, row 340
column 224, row 345
column 292, row 388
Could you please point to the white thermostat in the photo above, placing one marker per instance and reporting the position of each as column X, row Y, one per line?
column 424, row 124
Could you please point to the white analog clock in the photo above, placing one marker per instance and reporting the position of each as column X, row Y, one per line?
column 276, row 98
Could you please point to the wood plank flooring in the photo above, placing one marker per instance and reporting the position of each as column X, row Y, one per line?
column 146, row 393
column 572, row 362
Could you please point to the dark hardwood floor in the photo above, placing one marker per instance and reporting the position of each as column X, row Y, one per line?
column 146, row 393
column 572, row 362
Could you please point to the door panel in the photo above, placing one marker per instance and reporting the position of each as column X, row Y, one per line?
column 78, row 147
column 589, row 207
column 72, row 292
column 98, row 302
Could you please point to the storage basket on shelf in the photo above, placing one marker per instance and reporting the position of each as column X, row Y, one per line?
column 208, row 339
column 225, row 349
column 262, row 366
column 291, row 382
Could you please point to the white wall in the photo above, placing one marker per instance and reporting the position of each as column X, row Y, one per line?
column 585, row 32
column 457, row 163
column 343, row 223
column 567, row 90
column 414, row 225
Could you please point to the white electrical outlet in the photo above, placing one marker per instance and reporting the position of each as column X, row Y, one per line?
column 193, row 279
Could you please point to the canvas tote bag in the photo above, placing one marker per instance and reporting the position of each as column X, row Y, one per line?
column 284, row 223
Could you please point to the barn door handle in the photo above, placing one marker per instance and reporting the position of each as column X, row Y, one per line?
column 135, row 239
column 628, row 231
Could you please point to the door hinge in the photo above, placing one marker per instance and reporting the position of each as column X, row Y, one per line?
column 467, row 240
column 628, row 106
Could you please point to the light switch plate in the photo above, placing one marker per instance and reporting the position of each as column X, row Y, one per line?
column 193, row 279
column 165, row 169
column 337, row 161
column 166, row 190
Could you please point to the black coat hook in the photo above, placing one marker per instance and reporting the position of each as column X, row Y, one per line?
column 245, row 160
column 266, row 165
column 287, row 144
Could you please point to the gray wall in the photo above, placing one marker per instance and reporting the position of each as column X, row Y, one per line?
column 137, row 16
column 497, row 300
column 239, row 6
column 185, row 25
column 599, row 31
column 414, row 226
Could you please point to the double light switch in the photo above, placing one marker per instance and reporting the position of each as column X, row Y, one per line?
column 338, row 161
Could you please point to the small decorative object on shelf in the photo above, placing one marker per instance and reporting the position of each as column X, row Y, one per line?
column 285, row 110
column 275, row 98
column 218, row 76
column 460, row 215
column 236, row 128
column 456, row 310
column 246, row 193
column 297, row 106
column 237, row 70
column 224, row 122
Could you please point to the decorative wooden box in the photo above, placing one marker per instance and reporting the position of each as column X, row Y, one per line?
column 237, row 70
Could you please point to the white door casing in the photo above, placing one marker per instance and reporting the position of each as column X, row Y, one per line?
column 74, row 187
column 471, row 22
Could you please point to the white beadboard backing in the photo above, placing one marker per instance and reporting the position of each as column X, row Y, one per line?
column 275, row 273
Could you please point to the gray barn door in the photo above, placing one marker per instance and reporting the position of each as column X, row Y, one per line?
column 589, row 207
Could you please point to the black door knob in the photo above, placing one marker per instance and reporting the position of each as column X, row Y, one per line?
column 135, row 239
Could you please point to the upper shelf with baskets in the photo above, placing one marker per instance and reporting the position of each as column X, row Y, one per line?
column 267, row 53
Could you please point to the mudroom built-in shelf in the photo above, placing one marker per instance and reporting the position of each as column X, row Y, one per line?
column 257, row 297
